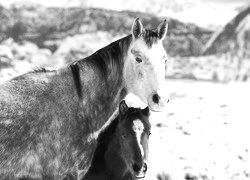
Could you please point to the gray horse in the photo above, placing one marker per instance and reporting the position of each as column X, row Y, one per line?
column 50, row 120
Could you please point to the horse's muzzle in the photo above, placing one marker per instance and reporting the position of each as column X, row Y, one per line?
column 157, row 101
column 140, row 172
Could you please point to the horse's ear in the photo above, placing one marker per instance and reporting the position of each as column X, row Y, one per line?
column 123, row 108
column 137, row 28
column 162, row 29
column 146, row 111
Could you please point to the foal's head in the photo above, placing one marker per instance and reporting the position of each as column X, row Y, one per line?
column 133, row 133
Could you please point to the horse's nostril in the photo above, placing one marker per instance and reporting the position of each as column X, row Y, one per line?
column 168, row 101
column 136, row 167
column 145, row 167
column 156, row 98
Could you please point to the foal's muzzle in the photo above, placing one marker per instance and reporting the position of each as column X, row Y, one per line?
column 140, row 170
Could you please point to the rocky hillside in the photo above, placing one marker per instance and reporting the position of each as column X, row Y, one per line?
column 39, row 24
column 233, row 38
column 230, row 47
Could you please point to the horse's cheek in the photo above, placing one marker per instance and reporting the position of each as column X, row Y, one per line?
column 140, row 75
column 127, row 151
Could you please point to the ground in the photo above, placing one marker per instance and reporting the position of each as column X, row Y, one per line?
column 203, row 134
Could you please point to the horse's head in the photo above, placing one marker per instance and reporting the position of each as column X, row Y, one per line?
column 133, row 132
column 145, row 65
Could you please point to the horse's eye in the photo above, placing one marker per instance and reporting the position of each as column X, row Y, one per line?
column 138, row 59
column 124, row 135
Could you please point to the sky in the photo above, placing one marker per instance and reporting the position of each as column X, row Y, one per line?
column 214, row 3
column 205, row 13
column 212, row 13
column 226, row 4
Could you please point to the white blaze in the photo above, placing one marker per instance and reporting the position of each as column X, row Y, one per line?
column 138, row 128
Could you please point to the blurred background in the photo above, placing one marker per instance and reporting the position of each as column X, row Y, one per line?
column 204, row 132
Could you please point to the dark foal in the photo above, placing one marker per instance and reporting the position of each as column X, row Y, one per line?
column 122, row 150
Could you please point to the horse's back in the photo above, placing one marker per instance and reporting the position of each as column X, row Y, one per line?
column 34, row 91
column 20, row 95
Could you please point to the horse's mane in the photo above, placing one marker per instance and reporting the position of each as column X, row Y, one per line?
column 107, row 60
column 150, row 37
column 76, row 76
column 110, row 58
column 40, row 69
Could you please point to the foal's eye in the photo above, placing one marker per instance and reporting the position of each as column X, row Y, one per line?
column 124, row 135
column 139, row 60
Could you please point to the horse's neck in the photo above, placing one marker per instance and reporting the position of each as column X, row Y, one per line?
column 100, row 95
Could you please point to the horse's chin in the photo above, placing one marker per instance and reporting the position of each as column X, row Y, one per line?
column 154, row 109
column 140, row 177
column 137, row 175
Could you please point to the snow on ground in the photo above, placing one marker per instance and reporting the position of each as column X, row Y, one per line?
column 203, row 134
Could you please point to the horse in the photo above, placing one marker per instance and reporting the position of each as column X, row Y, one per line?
column 122, row 150
column 50, row 119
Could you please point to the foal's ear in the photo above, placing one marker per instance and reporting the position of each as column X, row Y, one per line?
column 137, row 28
column 162, row 29
column 146, row 111
column 123, row 108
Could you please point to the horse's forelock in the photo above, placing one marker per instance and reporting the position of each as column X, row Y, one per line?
column 150, row 37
